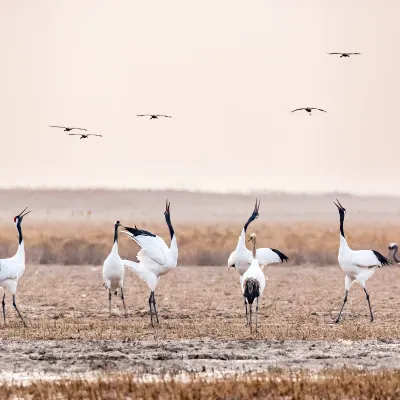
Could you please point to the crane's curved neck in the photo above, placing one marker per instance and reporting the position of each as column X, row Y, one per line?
column 341, row 224
column 249, row 221
column 395, row 255
column 170, row 227
column 20, row 238
column 115, row 233
column 254, row 248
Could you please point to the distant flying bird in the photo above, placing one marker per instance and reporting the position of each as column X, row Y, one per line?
column 309, row 109
column 155, row 257
column 345, row 54
column 253, row 283
column 154, row 116
column 358, row 265
column 393, row 249
column 83, row 136
column 67, row 129
column 11, row 269
column 113, row 271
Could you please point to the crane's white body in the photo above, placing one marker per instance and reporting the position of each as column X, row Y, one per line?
column 11, row 270
column 242, row 257
column 113, row 270
column 155, row 258
column 358, row 265
column 255, row 272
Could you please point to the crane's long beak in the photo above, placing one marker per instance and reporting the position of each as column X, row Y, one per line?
column 22, row 215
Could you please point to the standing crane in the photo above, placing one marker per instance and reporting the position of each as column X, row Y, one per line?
column 253, row 283
column 113, row 271
column 241, row 258
column 11, row 269
column 155, row 257
column 358, row 265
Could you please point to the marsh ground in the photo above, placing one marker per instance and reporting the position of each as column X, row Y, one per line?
column 201, row 322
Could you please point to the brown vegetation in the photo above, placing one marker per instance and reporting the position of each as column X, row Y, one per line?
column 303, row 242
column 345, row 383
column 70, row 302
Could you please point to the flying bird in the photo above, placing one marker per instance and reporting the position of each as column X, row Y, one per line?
column 83, row 135
column 154, row 116
column 242, row 257
column 253, row 282
column 67, row 129
column 11, row 269
column 345, row 54
column 309, row 109
column 155, row 257
column 113, row 271
column 358, row 265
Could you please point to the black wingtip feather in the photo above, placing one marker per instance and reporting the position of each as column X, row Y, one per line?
column 281, row 255
column 139, row 232
column 382, row 259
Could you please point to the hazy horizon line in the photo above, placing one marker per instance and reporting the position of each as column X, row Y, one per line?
column 249, row 192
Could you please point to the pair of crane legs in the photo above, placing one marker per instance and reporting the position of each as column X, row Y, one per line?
column 152, row 301
column 3, row 303
column 345, row 300
column 249, row 314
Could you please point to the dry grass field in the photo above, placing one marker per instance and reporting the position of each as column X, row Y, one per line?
column 333, row 385
column 300, row 303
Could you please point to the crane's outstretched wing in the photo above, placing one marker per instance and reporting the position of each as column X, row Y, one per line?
column 79, row 129
column 166, row 116
column 267, row 256
column 334, row 53
column 74, row 134
column 369, row 259
column 152, row 245
column 144, row 115
column 320, row 109
column 93, row 134
column 353, row 54
column 297, row 109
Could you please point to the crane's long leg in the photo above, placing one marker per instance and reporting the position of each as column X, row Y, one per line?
column 3, row 303
column 251, row 313
column 151, row 311
column 344, row 302
column 257, row 315
column 16, row 308
column 123, row 301
column 155, row 309
column 369, row 304
column 245, row 305
column 109, row 304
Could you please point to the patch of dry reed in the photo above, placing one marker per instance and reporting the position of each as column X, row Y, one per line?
column 302, row 242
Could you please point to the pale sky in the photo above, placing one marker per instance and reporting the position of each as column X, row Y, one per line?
column 228, row 71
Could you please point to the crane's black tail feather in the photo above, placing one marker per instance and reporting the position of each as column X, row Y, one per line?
column 251, row 289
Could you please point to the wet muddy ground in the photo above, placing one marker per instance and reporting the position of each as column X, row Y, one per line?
column 70, row 356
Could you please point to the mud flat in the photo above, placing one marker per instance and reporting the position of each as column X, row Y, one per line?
column 57, row 358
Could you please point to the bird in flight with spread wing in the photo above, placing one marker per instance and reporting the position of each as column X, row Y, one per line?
column 83, row 135
column 154, row 116
column 345, row 54
column 309, row 109
column 67, row 128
